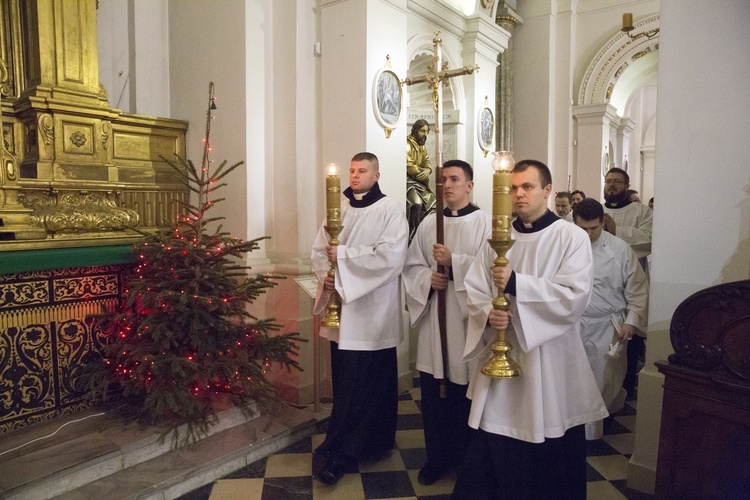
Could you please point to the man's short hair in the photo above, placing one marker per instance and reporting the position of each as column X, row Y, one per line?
column 565, row 194
column 588, row 209
column 417, row 125
column 365, row 156
column 578, row 191
column 463, row 166
column 544, row 174
column 615, row 170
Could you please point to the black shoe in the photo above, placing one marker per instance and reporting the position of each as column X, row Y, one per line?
column 330, row 473
column 429, row 474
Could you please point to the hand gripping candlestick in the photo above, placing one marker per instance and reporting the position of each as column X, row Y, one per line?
column 501, row 365
column 333, row 228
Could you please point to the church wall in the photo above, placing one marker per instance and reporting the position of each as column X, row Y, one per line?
column 150, row 38
column 702, row 219
column 534, row 73
column 202, row 52
column 114, row 52
column 560, row 158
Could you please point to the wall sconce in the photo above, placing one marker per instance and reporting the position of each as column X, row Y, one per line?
column 627, row 27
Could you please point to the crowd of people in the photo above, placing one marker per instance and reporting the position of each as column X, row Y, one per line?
column 578, row 291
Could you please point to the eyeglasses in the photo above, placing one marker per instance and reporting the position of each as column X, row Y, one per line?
column 614, row 181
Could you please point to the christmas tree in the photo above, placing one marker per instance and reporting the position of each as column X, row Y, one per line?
column 182, row 335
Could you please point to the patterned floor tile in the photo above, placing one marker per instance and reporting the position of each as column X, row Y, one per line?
column 288, row 473
column 237, row 489
column 388, row 484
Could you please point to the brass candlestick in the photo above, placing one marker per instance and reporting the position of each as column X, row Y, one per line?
column 501, row 365
column 333, row 227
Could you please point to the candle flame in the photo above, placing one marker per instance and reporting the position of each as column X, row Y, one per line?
column 333, row 169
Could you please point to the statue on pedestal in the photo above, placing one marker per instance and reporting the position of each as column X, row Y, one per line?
column 420, row 200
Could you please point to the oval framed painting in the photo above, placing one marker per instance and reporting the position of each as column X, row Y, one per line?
column 387, row 98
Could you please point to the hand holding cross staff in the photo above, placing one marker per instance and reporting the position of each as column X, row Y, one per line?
column 436, row 77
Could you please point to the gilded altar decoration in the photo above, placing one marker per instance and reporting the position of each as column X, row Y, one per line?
column 48, row 327
column 66, row 214
column 73, row 167
column 78, row 138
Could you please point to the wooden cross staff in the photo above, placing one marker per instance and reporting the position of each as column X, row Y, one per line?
column 436, row 77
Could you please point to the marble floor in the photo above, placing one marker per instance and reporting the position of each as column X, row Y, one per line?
column 288, row 473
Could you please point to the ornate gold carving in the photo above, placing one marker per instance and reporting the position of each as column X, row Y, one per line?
column 610, row 89
column 63, row 138
column 8, row 139
column 642, row 53
column 78, row 138
column 76, row 212
column 46, row 128
column 5, row 89
column 106, row 134
column 508, row 23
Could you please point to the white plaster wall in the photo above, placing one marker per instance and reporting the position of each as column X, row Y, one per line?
column 259, row 113
column 534, row 74
column 150, row 43
column 701, row 148
column 114, row 52
column 202, row 52
column 561, row 159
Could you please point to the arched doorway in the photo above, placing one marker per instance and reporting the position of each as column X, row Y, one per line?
column 616, row 112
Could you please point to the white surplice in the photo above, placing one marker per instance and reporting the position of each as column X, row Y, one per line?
column 634, row 225
column 556, row 390
column 464, row 236
column 370, row 258
column 620, row 296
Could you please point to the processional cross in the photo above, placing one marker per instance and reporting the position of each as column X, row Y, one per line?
column 436, row 77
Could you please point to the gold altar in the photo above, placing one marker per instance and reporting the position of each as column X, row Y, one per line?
column 75, row 176
column 75, row 171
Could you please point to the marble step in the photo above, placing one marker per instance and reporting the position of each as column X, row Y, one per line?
column 104, row 458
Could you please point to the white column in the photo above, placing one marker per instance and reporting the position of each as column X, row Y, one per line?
column 701, row 148
column 593, row 127
column 481, row 45
column 622, row 146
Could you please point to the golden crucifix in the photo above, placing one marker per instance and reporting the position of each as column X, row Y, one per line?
column 436, row 77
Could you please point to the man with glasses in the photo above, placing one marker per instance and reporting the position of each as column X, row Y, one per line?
column 631, row 222
column 627, row 220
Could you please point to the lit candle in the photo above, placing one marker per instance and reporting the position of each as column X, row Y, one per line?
column 502, row 197
column 333, row 188
column 502, row 204
column 627, row 21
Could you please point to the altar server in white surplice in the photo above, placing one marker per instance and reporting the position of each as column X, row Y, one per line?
column 632, row 222
column 530, row 441
column 629, row 221
column 617, row 311
column 466, row 228
column 369, row 261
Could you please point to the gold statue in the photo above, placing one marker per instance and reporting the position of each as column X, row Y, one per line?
column 420, row 200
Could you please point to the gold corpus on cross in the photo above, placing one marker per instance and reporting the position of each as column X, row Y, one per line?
column 437, row 76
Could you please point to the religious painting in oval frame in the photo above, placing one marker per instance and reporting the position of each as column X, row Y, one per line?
column 485, row 129
column 387, row 99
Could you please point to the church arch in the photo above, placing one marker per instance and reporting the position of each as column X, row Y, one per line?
column 614, row 78
column 604, row 71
